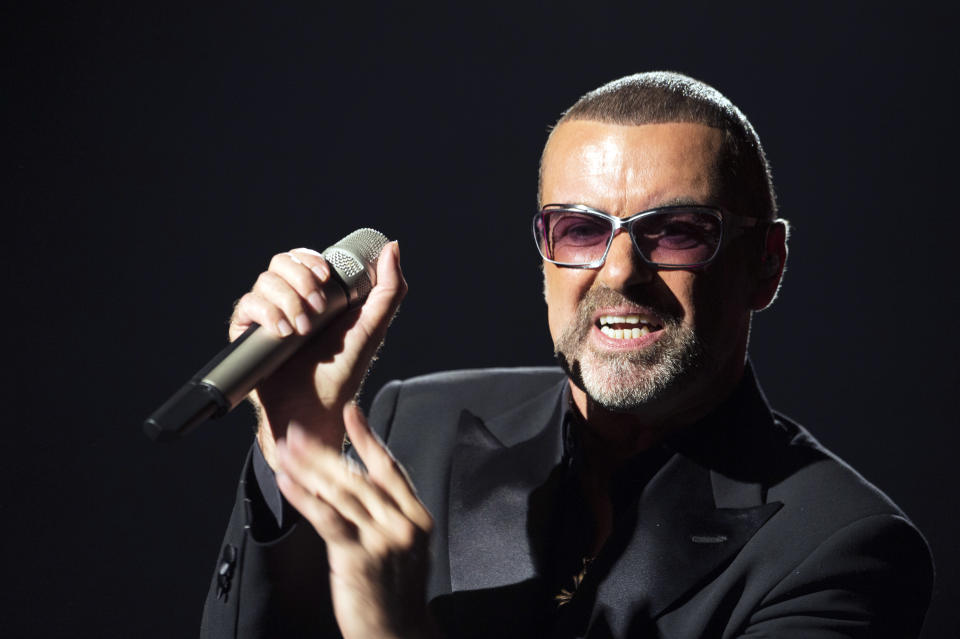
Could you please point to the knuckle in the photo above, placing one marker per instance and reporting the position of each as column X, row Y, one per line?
column 304, row 251
column 253, row 306
column 378, row 547
column 265, row 281
column 277, row 261
column 327, row 518
column 406, row 535
column 337, row 494
column 278, row 291
column 315, row 262
column 269, row 314
column 379, row 465
column 292, row 304
column 428, row 525
column 243, row 306
column 303, row 280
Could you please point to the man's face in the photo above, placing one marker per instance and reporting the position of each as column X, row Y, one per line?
column 692, row 324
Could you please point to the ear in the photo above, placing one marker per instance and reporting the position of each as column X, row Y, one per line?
column 772, row 263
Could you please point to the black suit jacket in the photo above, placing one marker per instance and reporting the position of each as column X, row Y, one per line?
column 750, row 528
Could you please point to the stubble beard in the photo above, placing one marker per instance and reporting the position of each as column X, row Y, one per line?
column 628, row 381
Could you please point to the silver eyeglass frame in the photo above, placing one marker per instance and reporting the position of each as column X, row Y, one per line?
column 724, row 217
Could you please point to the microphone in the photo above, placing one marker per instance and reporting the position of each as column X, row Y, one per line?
column 236, row 370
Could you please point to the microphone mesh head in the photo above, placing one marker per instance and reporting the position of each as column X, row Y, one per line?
column 354, row 259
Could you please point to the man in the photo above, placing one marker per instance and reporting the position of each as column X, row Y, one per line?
column 646, row 490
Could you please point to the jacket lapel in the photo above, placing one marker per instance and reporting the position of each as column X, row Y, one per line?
column 693, row 516
column 679, row 538
column 503, row 490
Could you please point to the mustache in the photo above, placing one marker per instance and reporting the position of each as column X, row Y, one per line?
column 602, row 297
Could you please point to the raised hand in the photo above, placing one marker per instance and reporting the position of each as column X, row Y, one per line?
column 314, row 385
column 376, row 529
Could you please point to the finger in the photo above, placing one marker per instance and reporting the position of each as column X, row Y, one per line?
column 339, row 513
column 299, row 276
column 324, row 518
column 280, row 293
column 254, row 308
column 383, row 469
column 314, row 261
column 318, row 482
column 381, row 304
column 327, row 474
column 391, row 286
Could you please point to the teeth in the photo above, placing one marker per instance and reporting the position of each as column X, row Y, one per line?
column 621, row 319
column 628, row 333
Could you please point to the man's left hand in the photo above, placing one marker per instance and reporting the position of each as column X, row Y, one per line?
column 376, row 530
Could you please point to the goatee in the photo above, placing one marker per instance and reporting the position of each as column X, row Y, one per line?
column 625, row 381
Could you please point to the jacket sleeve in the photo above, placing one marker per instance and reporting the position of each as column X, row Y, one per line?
column 265, row 585
column 872, row 578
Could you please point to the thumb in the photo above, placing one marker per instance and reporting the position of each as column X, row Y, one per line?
column 384, row 299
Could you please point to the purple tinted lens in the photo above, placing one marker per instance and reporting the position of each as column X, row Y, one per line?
column 678, row 237
column 575, row 238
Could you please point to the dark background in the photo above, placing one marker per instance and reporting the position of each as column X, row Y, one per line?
column 156, row 156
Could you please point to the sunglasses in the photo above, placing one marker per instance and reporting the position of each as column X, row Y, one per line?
column 681, row 236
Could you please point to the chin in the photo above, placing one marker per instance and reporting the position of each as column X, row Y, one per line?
column 638, row 380
column 623, row 386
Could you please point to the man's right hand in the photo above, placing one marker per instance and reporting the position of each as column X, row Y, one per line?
column 313, row 386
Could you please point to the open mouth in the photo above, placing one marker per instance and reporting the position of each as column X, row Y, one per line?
column 626, row 326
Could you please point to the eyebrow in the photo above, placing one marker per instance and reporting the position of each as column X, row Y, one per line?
column 683, row 201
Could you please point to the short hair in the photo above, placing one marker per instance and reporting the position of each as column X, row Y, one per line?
column 656, row 97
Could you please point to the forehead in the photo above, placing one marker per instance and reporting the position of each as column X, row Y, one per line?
column 627, row 168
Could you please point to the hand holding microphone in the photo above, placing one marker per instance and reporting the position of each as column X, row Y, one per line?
column 314, row 385
column 301, row 379
column 375, row 528
column 304, row 337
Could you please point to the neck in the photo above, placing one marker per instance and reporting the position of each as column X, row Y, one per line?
column 611, row 438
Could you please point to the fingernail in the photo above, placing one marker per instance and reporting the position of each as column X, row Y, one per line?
column 284, row 328
column 316, row 301
column 303, row 324
column 321, row 273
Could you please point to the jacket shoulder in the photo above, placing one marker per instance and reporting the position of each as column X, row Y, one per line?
column 833, row 516
column 822, row 477
column 484, row 392
column 482, row 385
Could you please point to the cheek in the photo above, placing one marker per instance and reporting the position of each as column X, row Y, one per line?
column 707, row 299
column 718, row 305
column 562, row 289
column 685, row 288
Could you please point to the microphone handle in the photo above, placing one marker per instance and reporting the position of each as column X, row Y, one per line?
column 228, row 378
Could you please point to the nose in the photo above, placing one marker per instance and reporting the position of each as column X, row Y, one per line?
column 624, row 266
